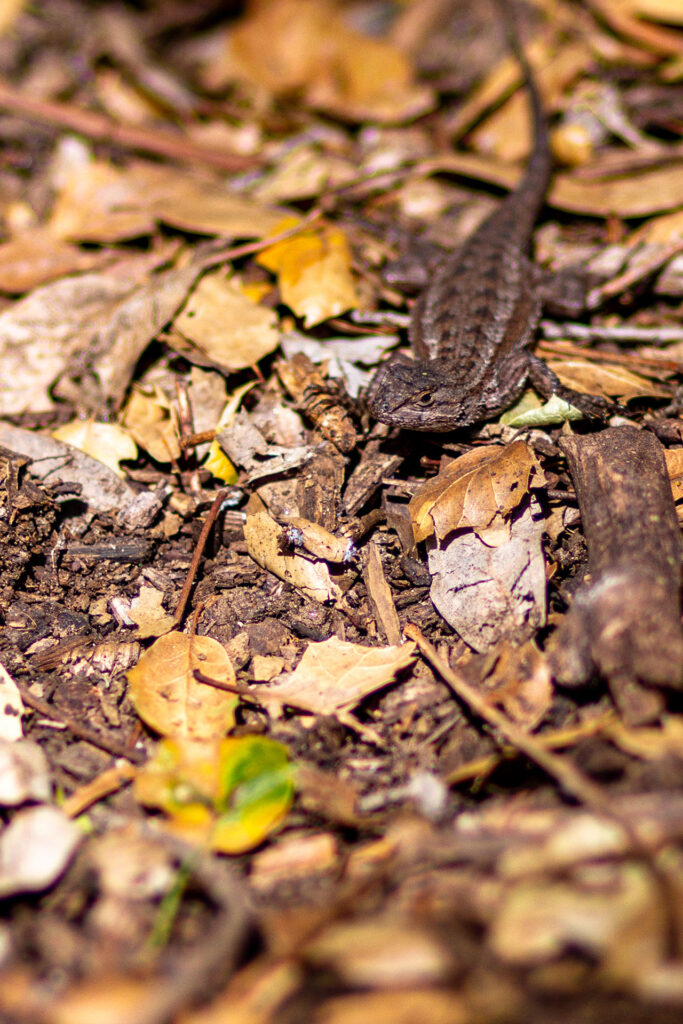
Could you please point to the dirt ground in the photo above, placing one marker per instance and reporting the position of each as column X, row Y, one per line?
column 306, row 717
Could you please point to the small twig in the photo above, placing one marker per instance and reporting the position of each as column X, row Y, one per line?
column 198, row 552
column 570, row 778
column 111, row 780
column 654, row 363
column 483, row 766
column 96, row 126
column 236, row 252
column 83, row 732
column 623, row 333
column 572, row 781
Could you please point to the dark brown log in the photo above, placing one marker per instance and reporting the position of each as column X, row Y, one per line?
column 625, row 622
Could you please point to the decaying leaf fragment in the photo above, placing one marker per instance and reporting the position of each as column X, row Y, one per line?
column 12, row 707
column 35, row 848
column 306, row 384
column 476, row 491
column 520, row 683
column 167, row 696
column 225, row 324
column 148, row 418
column 149, row 615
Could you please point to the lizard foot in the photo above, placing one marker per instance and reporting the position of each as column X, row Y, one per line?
column 547, row 383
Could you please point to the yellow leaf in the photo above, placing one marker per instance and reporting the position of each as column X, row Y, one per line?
column 103, row 441
column 314, row 272
column 166, row 694
column 217, row 462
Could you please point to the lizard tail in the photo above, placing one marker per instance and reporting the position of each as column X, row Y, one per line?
column 534, row 184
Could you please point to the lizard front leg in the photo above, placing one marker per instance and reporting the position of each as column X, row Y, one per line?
column 547, row 383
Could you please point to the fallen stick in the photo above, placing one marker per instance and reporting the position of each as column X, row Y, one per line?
column 625, row 621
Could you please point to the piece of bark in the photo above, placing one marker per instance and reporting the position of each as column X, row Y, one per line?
column 380, row 596
column 366, row 479
column 315, row 397
column 625, row 622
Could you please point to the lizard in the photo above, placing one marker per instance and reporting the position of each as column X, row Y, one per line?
column 471, row 326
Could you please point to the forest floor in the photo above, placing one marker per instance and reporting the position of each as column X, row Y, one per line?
column 306, row 717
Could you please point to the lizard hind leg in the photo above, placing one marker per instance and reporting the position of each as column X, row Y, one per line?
column 547, row 383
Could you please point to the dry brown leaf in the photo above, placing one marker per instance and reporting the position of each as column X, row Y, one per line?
column 314, row 272
column 148, row 419
column 122, row 336
column 226, row 325
column 333, row 676
column 306, row 45
column 303, row 173
column 639, row 194
column 266, row 540
column 56, row 462
column 106, row 442
column 40, row 334
column 476, row 491
column 200, row 206
column 604, row 379
column 167, row 696
column 35, row 257
column 103, row 203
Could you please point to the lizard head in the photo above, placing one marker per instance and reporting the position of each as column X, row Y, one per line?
column 417, row 396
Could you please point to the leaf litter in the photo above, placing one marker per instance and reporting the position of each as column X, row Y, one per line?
column 324, row 822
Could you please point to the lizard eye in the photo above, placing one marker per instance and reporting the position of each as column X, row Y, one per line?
column 425, row 399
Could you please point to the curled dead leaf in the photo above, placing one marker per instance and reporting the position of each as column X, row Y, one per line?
column 168, row 697
column 476, row 491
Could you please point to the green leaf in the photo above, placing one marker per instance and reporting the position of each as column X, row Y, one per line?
column 229, row 794
column 528, row 412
